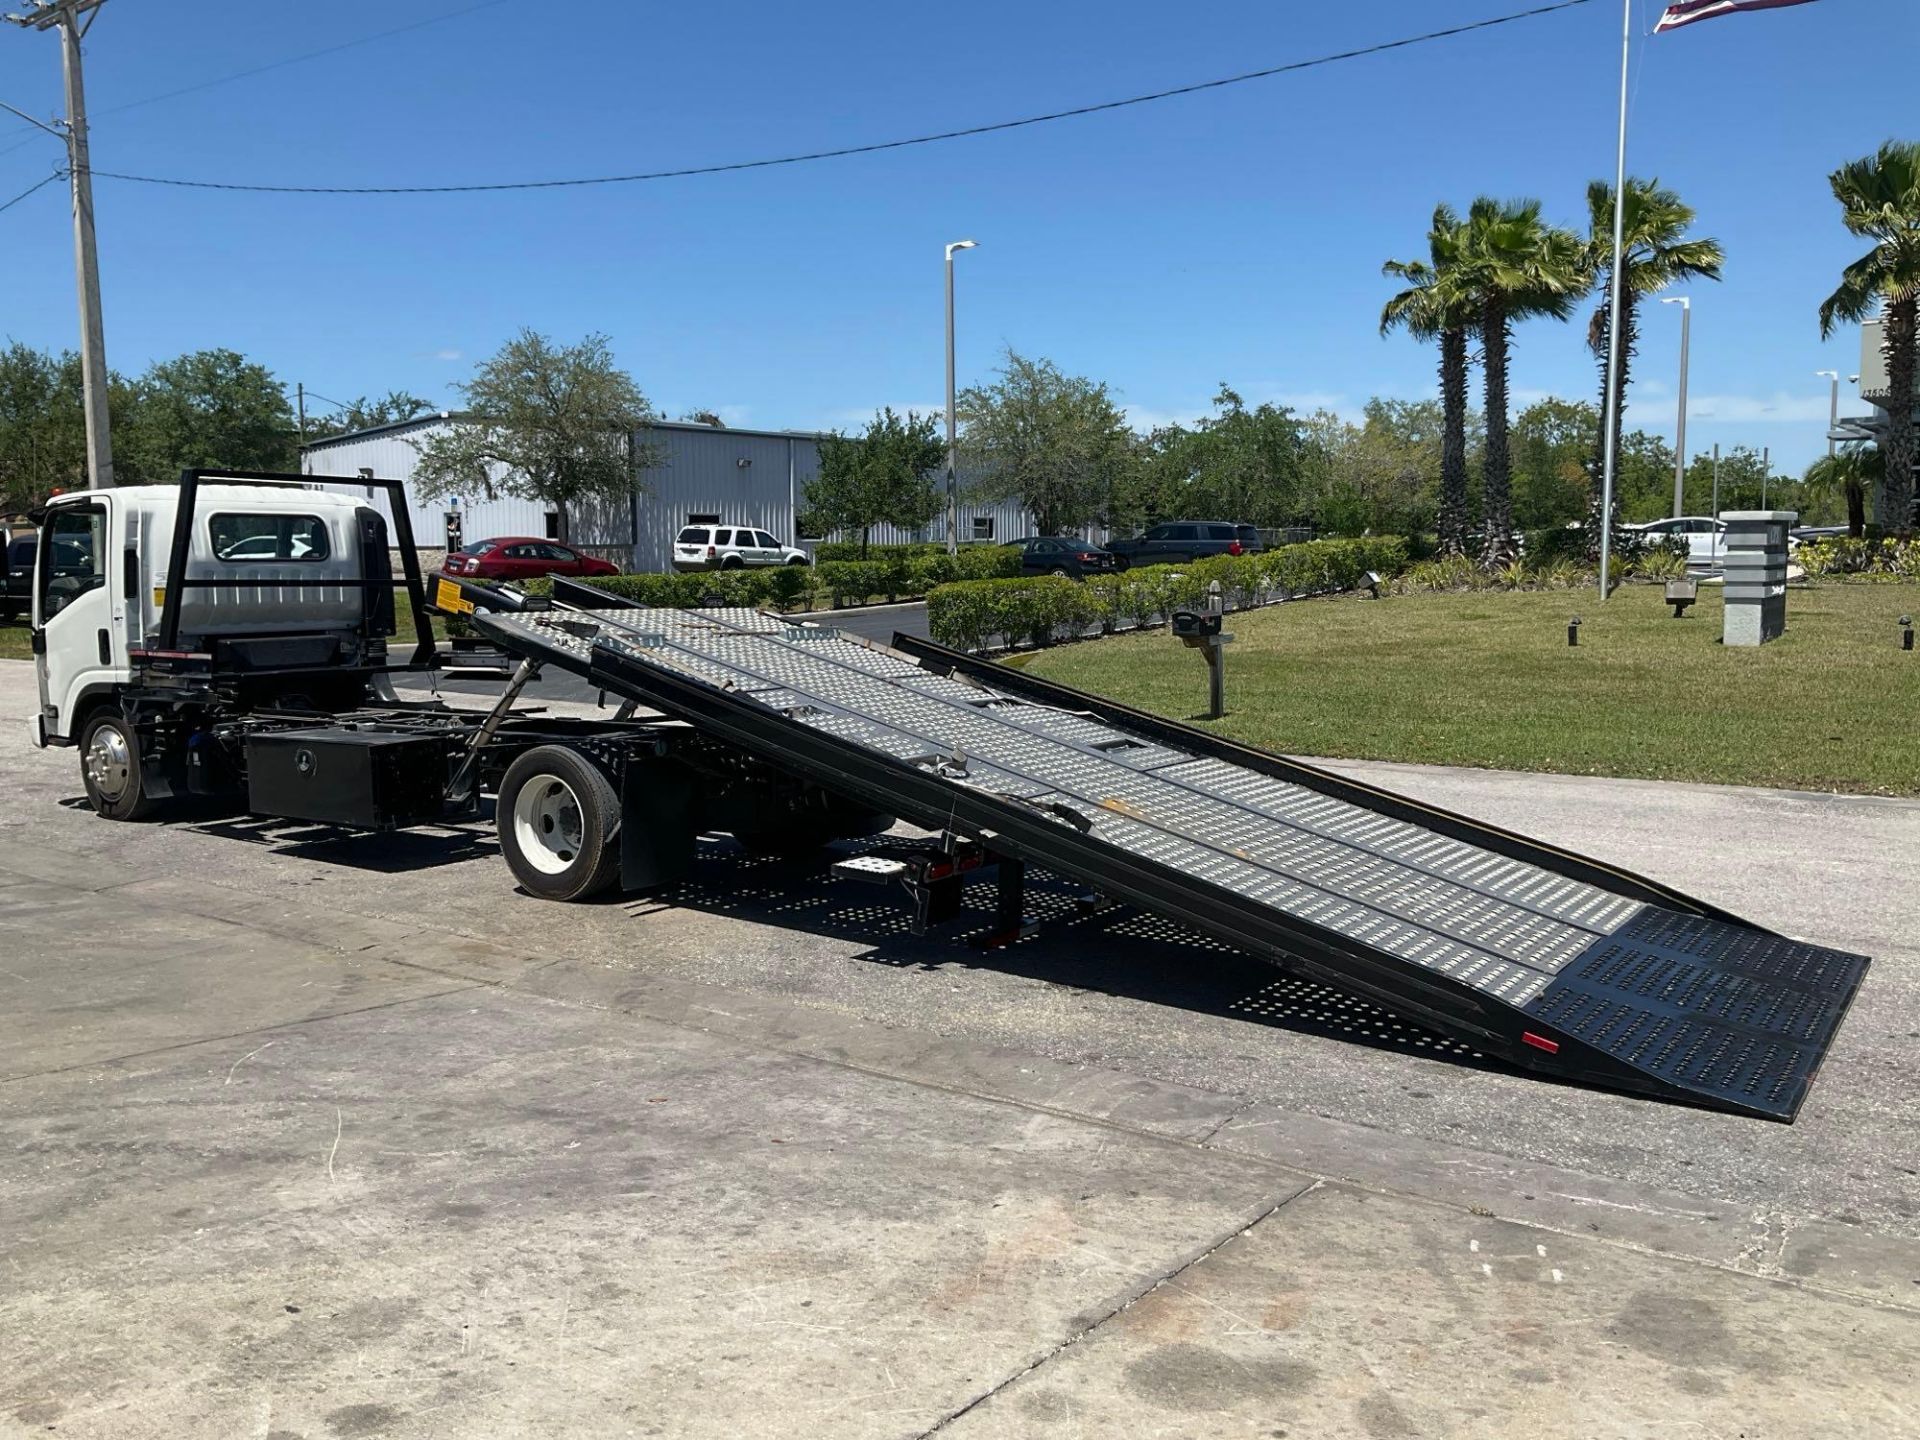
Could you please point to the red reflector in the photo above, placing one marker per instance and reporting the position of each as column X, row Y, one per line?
column 1235, row 549
column 1540, row 1042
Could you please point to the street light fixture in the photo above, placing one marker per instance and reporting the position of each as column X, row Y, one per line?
column 1680, row 437
column 953, row 500
column 1833, row 405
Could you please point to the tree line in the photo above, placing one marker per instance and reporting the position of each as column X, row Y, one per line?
column 207, row 408
column 565, row 425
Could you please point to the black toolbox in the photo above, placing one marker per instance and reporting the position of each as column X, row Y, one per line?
column 367, row 779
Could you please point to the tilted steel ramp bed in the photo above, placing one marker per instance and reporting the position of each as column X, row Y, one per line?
column 1553, row 962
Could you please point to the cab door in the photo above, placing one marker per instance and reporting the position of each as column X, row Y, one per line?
column 74, row 617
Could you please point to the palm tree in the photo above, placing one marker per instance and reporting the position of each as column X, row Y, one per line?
column 1847, row 473
column 1880, row 200
column 1435, row 306
column 1515, row 265
column 1659, row 254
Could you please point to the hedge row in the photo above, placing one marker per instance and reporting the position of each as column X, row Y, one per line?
column 783, row 587
column 897, row 573
column 828, row 550
column 968, row 613
column 779, row 586
column 1869, row 559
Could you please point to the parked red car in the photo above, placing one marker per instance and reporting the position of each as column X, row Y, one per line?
column 523, row 557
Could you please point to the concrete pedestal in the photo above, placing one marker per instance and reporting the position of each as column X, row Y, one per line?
column 1756, row 575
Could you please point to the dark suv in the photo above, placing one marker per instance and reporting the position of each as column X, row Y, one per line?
column 1180, row 542
column 16, row 572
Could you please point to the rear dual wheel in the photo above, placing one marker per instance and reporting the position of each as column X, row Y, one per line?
column 558, row 820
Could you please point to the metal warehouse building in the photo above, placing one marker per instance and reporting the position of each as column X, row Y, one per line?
column 699, row 473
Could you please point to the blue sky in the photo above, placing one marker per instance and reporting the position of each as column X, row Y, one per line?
column 1232, row 235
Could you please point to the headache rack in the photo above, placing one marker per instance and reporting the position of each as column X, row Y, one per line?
column 1550, row 961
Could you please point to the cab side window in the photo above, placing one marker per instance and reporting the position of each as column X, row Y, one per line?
column 72, row 556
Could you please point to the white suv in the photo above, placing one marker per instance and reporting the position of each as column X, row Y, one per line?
column 730, row 547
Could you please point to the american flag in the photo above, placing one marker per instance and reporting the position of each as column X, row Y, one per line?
column 1686, row 12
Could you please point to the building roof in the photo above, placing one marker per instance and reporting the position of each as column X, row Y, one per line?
column 418, row 421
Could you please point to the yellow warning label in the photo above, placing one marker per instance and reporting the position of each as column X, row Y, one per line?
column 448, row 597
column 159, row 597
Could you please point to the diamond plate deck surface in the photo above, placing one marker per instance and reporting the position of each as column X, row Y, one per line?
column 1697, row 1004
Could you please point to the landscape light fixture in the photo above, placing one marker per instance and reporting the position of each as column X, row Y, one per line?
column 1906, row 632
column 1573, row 631
column 1370, row 582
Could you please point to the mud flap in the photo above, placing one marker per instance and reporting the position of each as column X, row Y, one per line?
column 656, row 824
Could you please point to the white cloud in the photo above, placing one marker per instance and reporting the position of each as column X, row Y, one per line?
column 1778, row 408
column 448, row 353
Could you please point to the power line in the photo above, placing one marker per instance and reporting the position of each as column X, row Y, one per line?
column 300, row 59
column 289, row 60
column 869, row 149
column 56, row 175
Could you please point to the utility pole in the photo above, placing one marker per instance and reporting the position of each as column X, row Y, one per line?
column 65, row 15
column 953, row 446
column 300, row 392
column 1680, row 438
column 1766, row 471
column 1716, row 480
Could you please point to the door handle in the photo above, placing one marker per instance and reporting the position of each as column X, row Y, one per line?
column 106, row 648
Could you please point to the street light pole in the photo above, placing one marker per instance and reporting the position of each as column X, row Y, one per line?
column 1833, row 405
column 953, row 494
column 1680, row 438
column 45, row 15
column 1611, row 417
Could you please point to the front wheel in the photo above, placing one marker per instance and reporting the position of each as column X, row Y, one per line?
column 559, row 824
column 798, row 560
column 110, row 768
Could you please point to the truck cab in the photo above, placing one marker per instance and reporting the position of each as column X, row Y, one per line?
column 158, row 609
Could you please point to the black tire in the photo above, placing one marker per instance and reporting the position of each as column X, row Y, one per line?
column 733, row 562
column 799, row 560
column 110, row 767
column 1062, row 572
column 558, row 820
column 1120, row 562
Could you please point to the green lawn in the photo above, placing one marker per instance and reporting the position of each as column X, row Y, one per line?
column 1488, row 680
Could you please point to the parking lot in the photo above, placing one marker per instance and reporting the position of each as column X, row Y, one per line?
column 319, row 1136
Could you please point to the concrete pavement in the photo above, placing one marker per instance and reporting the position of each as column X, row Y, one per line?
column 320, row 1137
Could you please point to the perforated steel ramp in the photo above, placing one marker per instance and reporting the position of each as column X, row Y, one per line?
column 1551, row 961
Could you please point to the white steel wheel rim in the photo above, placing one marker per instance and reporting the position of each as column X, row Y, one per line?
column 109, row 762
column 548, row 824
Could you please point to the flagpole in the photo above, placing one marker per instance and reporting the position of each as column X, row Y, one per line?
column 1612, row 419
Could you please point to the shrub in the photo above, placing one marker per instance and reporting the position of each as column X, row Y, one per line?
column 1561, row 542
column 1869, row 558
column 1659, row 563
column 787, row 583
column 967, row 613
column 853, row 581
